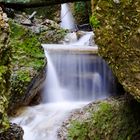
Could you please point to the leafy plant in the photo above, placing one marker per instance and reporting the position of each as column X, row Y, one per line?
column 94, row 22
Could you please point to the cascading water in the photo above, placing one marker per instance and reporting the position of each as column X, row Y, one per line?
column 67, row 19
column 86, row 40
column 73, row 80
column 82, row 77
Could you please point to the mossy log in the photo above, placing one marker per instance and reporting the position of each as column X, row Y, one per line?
column 33, row 3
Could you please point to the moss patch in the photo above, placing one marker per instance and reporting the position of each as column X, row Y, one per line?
column 28, row 60
column 113, row 119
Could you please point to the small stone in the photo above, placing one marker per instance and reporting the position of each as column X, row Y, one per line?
column 5, row 17
column 26, row 22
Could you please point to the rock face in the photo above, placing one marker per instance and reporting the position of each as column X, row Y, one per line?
column 28, row 64
column 111, row 119
column 117, row 29
column 7, row 131
column 5, row 56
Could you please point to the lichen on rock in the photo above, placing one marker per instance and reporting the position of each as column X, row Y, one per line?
column 118, row 38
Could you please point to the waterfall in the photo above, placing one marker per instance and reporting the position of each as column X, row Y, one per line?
column 82, row 77
column 75, row 76
column 67, row 19
column 53, row 84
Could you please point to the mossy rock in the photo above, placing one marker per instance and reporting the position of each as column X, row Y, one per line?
column 118, row 36
column 5, row 71
column 28, row 60
column 112, row 119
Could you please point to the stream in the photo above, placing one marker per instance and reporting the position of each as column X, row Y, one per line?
column 74, row 78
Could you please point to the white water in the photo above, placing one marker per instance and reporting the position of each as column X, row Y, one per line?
column 82, row 77
column 86, row 40
column 72, row 81
column 67, row 19
column 41, row 122
column 53, row 85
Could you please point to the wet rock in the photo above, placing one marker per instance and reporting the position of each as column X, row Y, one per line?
column 70, row 38
column 14, row 132
column 27, row 22
column 47, row 30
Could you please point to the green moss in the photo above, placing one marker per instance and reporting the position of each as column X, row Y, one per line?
column 28, row 60
column 78, row 131
column 108, row 120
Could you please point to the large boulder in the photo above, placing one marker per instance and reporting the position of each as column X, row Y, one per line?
column 116, row 25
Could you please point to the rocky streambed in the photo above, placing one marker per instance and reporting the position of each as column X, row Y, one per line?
column 113, row 118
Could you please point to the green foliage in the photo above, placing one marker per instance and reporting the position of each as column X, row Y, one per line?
column 79, row 7
column 82, row 10
column 94, row 22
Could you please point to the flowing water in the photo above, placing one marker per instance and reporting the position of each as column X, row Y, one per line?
column 67, row 19
column 74, row 78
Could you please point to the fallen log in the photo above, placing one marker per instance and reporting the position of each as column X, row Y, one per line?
column 18, row 4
